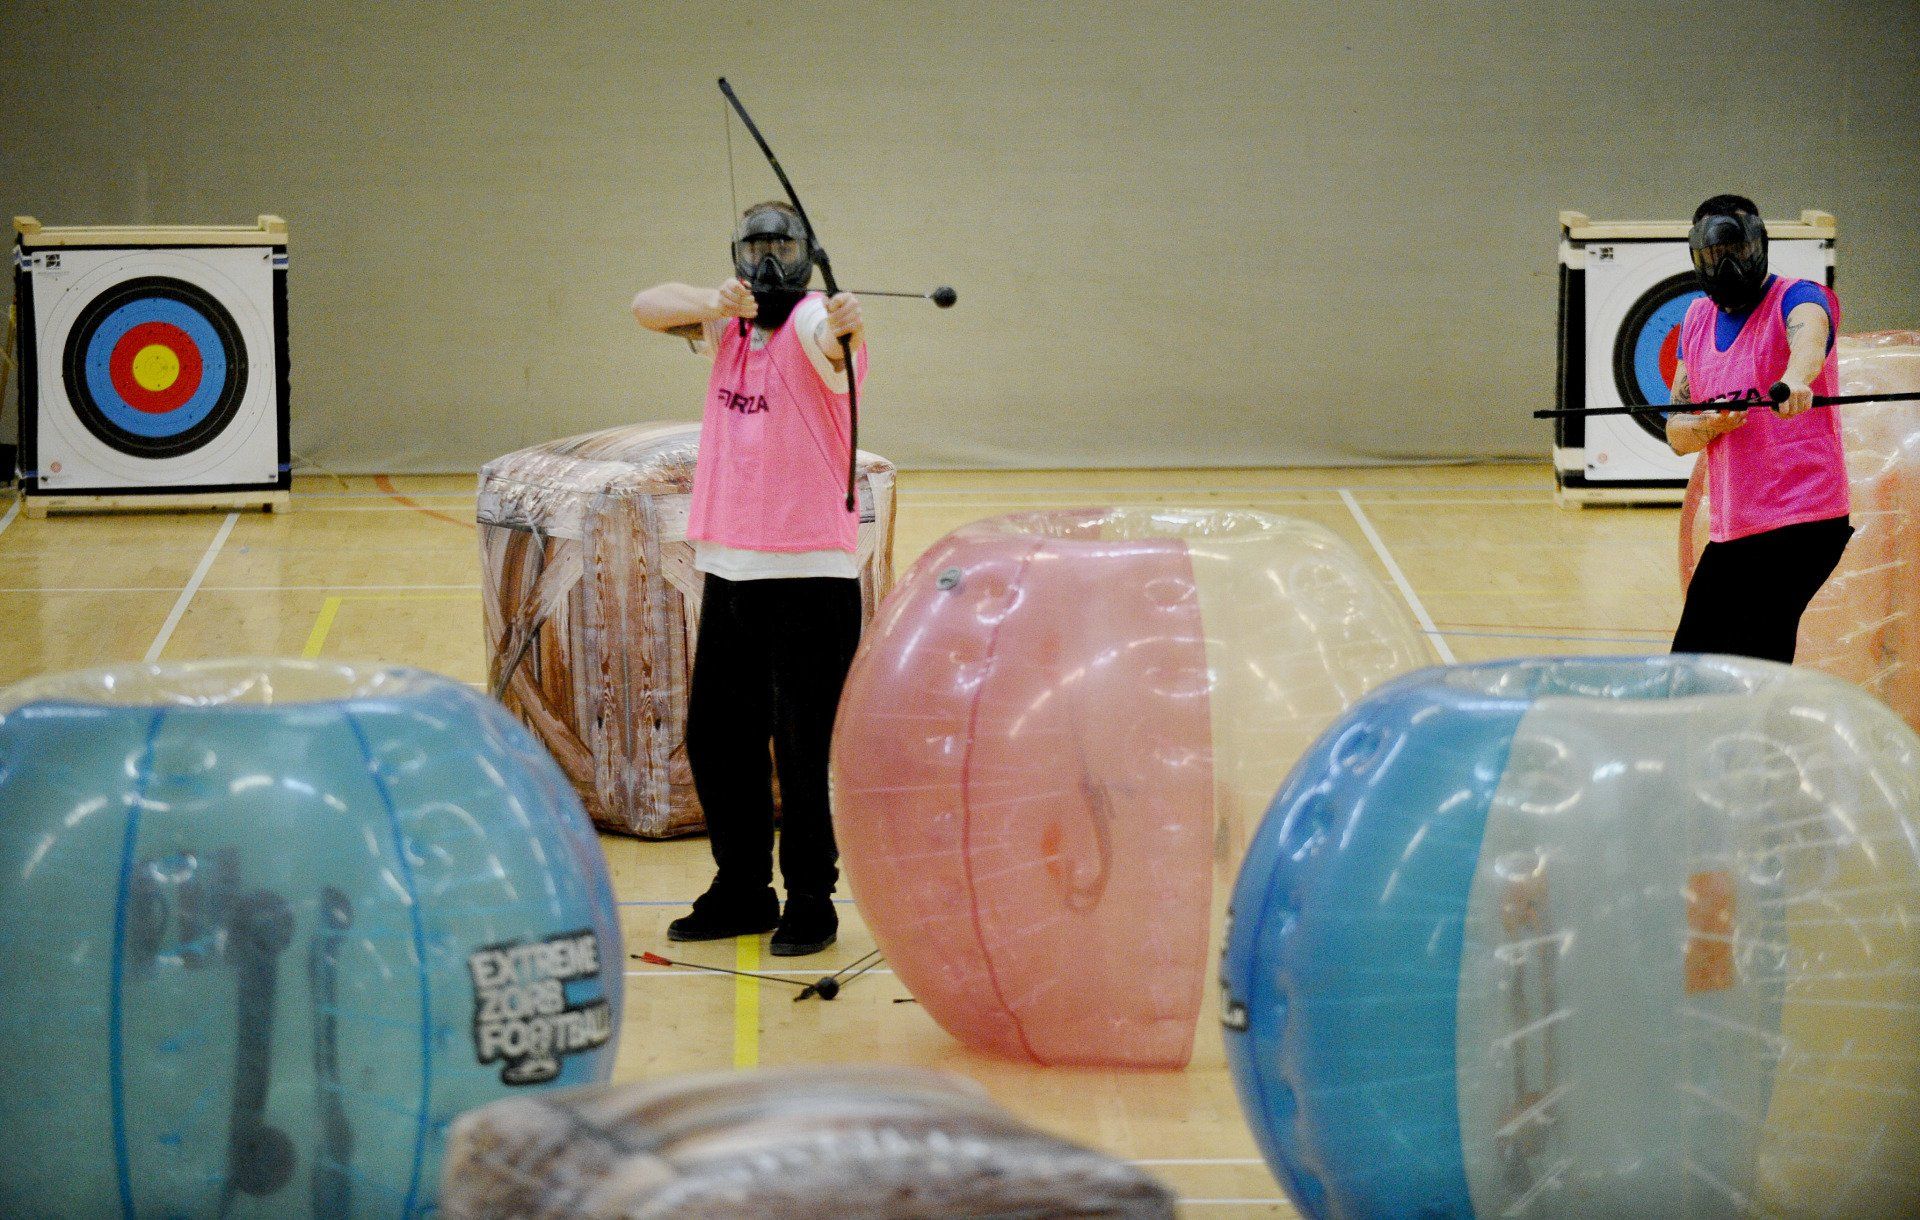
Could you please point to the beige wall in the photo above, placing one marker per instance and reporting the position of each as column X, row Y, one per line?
column 1227, row 234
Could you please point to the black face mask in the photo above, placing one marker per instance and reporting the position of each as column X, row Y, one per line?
column 774, row 254
column 1730, row 256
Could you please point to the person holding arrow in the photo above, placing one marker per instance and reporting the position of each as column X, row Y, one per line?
column 1776, row 473
column 775, row 531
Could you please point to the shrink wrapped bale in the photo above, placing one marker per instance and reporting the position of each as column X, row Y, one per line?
column 840, row 1143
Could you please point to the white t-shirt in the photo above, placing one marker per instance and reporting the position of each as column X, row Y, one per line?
column 735, row 563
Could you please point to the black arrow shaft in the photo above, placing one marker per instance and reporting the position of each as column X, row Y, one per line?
column 1734, row 404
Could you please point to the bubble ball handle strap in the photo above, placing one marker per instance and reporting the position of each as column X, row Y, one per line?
column 260, row 1156
column 826, row 273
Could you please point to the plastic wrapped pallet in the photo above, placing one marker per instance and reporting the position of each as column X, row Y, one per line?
column 806, row 1144
column 592, row 602
column 1864, row 624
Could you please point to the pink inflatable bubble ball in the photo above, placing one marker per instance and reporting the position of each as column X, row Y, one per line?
column 1056, row 736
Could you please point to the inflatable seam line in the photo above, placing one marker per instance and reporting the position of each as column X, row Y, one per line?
column 116, row 1076
column 408, row 1208
column 966, row 824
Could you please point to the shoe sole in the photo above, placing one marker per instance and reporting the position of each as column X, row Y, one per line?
column 780, row 950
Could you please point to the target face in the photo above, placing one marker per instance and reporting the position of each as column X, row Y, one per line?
column 157, row 368
column 154, row 367
column 1647, row 348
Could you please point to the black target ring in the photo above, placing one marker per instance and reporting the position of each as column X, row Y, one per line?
column 181, row 301
column 1638, row 344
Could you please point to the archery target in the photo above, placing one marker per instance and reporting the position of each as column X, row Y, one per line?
column 1637, row 294
column 157, row 368
column 1646, row 351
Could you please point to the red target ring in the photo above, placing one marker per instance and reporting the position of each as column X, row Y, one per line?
column 1670, row 355
column 137, row 387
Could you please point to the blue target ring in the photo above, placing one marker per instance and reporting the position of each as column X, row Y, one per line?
column 1647, row 345
column 216, row 347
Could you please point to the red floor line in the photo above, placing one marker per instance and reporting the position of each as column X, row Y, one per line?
column 385, row 484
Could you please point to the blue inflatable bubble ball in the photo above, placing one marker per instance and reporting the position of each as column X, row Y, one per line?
column 269, row 927
column 1594, row 937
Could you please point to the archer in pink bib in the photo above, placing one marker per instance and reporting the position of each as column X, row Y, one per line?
column 1776, row 475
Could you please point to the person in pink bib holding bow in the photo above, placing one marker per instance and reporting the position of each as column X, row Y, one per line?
column 780, row 606
column 1776, row 474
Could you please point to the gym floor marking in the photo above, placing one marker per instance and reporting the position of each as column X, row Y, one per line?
column 330, row 610
column 708, row 974
column 746, row 1003
column 193, row 586
column 1399, row 577
column 385, row 484
column 231, row 588
column 322, row 624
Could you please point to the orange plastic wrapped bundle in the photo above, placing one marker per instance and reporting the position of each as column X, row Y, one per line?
column 592, row 602
column 1864, row 625
column 1058, row 732
column 809, row 1144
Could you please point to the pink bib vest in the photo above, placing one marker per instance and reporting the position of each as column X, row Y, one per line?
column 772, row 471
column 1769, row 472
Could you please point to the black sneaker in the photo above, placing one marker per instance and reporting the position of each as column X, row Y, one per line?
column 718, row 915
column 810, row 925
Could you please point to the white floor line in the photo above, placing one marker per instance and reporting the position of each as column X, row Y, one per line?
column 473, row 588
column 817, row 971
column 1399, row 577
column 381, row 495
column 242, row 588
column 13, row 510
column 193, row 586
column 1214, row 491
column 415, row 507
column 1200, row 1160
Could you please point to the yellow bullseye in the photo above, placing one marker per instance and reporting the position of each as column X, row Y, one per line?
column 155, row 367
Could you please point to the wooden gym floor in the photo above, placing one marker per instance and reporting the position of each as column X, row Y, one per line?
column 378, row 569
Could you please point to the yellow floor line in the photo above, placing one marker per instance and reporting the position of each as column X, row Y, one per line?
column 746, row 1004
column 330, row 608
column 321, row 625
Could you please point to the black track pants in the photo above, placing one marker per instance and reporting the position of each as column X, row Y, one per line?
column 769, row 662
column 1747, row 595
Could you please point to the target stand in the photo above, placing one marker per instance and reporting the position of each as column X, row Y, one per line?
column 153, row 366
column 1624, row 288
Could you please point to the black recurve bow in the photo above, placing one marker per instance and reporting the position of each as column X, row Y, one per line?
column 833, row 290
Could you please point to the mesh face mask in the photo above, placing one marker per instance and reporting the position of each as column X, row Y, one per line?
column 772, row 250
column 1730, row 256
